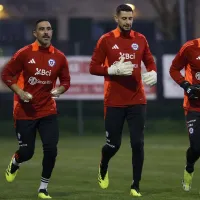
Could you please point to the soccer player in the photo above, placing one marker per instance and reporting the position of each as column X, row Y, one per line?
column 117, row 57
column 31, row 74
column 188, row 58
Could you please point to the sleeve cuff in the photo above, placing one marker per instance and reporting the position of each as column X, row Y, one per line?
column 66, row 86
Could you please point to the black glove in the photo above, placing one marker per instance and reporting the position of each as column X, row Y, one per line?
column 192, row 91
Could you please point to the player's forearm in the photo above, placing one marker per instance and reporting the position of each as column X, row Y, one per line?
column 149, row 63
column 6, row 78
column 64, row 83
column 62, row 88
column 151, row 66
column 98, row 70
column 176, row 75
column 15, row 88
column 9, row 74
column 149, row 60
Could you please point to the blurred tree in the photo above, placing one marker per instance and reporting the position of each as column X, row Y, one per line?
column 169, row 18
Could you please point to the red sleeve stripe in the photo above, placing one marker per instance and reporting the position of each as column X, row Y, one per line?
column 187, row 44
column 140, row 35
column 100, row 40
column 188, row 77
column 60, row 52
column 19, row 51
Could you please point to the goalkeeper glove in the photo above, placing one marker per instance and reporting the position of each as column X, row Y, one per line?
column 55, row 93
column 192, row 91
column 25, row 96
column 150, row 78
column 121, row 68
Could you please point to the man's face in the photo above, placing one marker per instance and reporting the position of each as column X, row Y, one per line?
column 124, row 20
column 43, row 33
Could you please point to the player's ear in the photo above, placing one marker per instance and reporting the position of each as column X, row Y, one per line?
column 34, row 33
column 116, row 18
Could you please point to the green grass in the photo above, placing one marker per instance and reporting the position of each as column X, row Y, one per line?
column 75, row 174
column 95, row 125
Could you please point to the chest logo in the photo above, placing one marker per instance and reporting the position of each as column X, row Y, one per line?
column 197, row 76
column 42, row 72
column 127, row 55
column 51, row 62
column 115, row 47
column 32, row 61
column 135, row 46
column 198, row 58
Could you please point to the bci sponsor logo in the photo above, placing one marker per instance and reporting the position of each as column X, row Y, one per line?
column 127, row 55
column 43, row 72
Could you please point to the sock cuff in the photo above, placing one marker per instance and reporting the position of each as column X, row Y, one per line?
column 15, row 162
column 45, row 180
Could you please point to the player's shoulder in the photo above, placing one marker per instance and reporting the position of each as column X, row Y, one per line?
column 59, row 53
column 189, row 44
column 22, row 51
column 115, row 33
column 104, row 37
column 138, row 35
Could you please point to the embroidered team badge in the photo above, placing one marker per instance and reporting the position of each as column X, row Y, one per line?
column 51, row 62
column 135, row 46
column 197, row 76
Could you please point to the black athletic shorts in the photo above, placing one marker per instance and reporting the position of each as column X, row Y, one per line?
column 114, row 121
column 47, row 127
column 193, row 127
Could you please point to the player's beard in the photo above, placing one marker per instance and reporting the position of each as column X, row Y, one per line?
column 124, row 30
column 44, row 43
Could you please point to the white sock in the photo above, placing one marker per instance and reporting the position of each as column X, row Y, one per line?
column 15, row 162
column 44, row 183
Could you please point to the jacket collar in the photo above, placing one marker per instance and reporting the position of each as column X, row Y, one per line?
column 36, row 47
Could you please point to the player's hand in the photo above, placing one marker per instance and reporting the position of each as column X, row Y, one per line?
column 192, row 91
column 25, row 96
column 55, row 92
column 121, row 68
column 150, row 78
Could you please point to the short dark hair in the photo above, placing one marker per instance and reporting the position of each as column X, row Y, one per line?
column 40, row 20
column 123, row 7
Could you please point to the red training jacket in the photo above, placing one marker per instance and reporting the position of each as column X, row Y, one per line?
column 188, row 58
column 121, row 91
column 35, row 69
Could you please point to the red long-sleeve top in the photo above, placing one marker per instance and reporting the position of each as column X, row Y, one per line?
column 35, row 70
column 120, row 91
column 188, row 58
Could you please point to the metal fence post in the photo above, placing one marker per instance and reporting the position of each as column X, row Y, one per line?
column 79, row 103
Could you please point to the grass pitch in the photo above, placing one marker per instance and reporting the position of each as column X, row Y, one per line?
column 75, row 174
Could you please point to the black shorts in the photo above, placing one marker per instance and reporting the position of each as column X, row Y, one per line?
column 193, row 127
column 46, row 126
column 114, row 122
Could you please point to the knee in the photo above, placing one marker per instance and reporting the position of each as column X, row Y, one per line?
column 50, row 151
column 114, row 146
column 26, row 153
column 196, row 149
column 137, row 145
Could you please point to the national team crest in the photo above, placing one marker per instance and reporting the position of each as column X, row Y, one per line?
column 135, row 46
column 197, row 76
column 51, row 62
